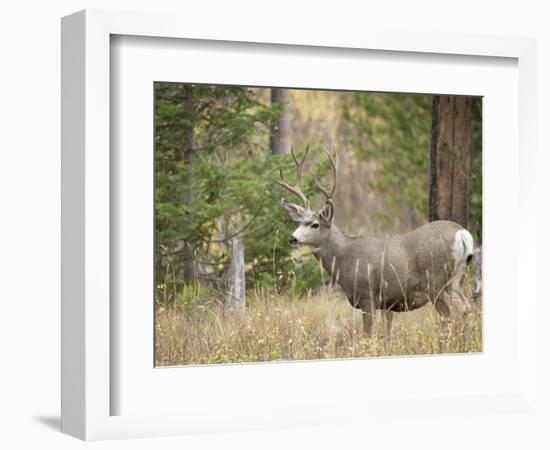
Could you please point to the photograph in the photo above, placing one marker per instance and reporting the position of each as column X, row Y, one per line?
column 298, row 224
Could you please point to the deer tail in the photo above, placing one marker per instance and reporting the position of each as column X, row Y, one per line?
column 463, row 248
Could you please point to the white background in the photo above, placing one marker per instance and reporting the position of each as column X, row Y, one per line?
column 30, row 187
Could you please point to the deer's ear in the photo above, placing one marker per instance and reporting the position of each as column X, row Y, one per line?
column 294, row 211
column 327, row 212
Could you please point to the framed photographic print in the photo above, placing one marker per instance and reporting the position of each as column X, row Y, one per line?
column 262, row 230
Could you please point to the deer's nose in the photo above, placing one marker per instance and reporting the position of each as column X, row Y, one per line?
column 292, row 240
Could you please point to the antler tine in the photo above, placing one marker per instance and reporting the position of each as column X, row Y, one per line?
column 334, row 163
column 296, row 189
column 299, row 164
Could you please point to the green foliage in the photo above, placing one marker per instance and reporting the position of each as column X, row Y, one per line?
column 192, row 294
column 227, row 189
column 394, row 131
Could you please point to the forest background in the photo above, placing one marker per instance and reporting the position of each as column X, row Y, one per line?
column 405, row 159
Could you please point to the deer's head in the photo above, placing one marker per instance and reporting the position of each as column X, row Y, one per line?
column 314, row 224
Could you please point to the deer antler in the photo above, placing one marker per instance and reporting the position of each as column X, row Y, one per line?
column 334, row 163
column 296, row 189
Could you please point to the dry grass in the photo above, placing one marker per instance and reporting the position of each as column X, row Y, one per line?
column 284, row 327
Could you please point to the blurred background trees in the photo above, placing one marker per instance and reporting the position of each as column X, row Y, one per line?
column 279, row 139
column 218, row 150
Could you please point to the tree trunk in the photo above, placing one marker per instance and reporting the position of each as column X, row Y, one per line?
column 189, row 156
column 236, row 300
column 279, row 141
column 450, row 158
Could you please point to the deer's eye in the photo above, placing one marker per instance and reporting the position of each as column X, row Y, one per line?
column 315, row 225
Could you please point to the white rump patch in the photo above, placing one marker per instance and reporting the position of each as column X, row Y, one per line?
column 463, row 247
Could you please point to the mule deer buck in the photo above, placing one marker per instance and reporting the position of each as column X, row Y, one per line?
column 393, row 273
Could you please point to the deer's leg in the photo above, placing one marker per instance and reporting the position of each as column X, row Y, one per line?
column 456, row 293
column 456, row 288
column 368, row 318
column 388, row 317
column 467, row 306
column 441, row 306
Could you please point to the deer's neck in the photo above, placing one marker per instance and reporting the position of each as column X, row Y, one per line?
column 331, row 250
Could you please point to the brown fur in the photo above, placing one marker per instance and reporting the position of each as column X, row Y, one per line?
column 417, row 267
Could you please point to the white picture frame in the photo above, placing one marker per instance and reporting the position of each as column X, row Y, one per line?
column 88, row 386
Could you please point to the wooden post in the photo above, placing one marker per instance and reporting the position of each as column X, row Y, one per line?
column 236, row 300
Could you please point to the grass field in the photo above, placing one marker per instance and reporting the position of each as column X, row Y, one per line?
column 321, row 326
